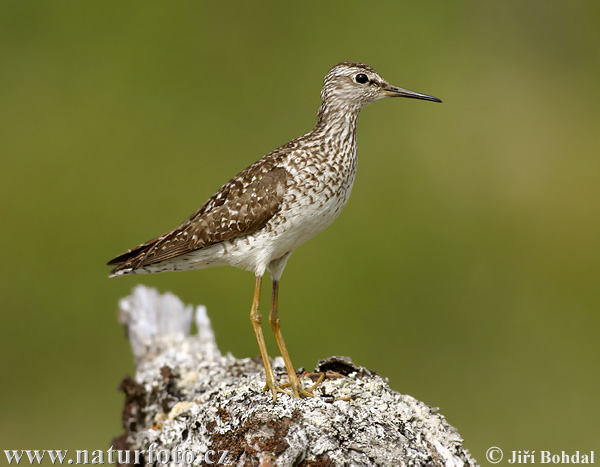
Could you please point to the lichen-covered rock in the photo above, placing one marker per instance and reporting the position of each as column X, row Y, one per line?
column 190, row 405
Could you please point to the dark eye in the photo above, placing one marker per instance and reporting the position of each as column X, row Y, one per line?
column 361, row 78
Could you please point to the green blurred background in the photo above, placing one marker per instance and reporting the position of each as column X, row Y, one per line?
column 464, row 268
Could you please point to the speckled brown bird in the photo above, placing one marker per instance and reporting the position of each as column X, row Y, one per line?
column 258, row 218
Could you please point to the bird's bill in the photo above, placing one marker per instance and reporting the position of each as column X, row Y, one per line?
column 393, row 91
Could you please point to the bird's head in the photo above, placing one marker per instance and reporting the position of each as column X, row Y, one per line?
column 352, row 84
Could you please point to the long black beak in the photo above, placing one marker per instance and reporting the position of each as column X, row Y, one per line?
column 394, row 91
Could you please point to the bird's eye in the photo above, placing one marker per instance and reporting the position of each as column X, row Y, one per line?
column 361, row 78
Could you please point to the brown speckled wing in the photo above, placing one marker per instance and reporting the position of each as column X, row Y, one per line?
column 242, row 206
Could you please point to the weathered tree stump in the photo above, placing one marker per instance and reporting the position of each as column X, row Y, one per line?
column 188, row 404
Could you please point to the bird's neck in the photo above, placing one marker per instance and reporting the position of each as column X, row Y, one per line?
column 336, row 124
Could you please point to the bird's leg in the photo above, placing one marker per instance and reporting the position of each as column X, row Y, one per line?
column 256, row 320
column 294, row 382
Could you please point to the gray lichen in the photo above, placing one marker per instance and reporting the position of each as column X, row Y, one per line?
column 188, row 397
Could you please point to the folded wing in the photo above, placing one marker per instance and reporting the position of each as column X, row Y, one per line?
column 241, row 207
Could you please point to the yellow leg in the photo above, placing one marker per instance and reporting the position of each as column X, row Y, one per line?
column 293, row 383
column 256, row 320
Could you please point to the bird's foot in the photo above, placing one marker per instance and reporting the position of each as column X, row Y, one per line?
column 275, row 389
column 295, row 386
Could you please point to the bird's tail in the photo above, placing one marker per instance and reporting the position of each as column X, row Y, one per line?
column 127, row 263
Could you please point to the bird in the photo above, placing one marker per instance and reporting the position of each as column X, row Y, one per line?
column 259, row 217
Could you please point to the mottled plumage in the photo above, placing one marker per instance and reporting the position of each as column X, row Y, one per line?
column 257, row 219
